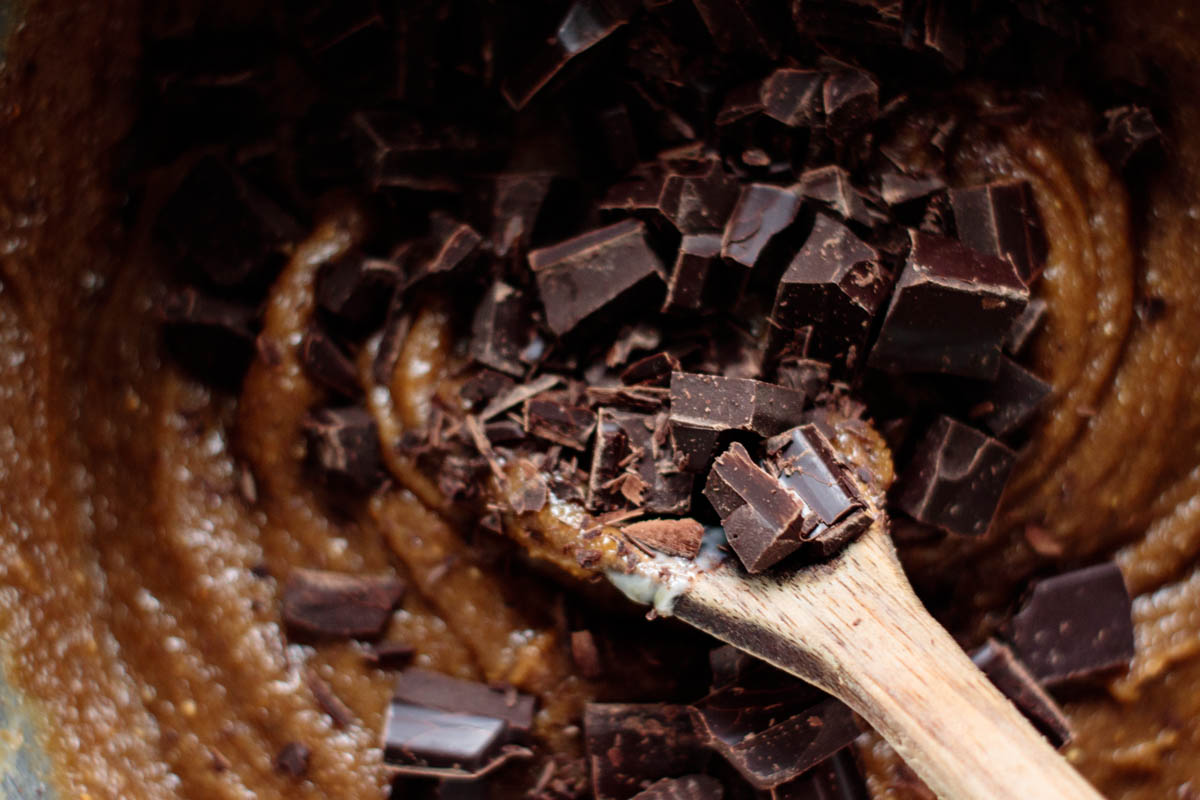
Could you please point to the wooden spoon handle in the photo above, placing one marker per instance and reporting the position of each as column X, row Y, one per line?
column 855, row 628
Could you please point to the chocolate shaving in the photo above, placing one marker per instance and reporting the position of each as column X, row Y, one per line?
column 629, row 746
column 675, row 537
column 292, row 759
column 338, row 604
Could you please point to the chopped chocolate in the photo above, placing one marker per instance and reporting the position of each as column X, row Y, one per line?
column 397, row 149
column 1014, row 680
column 762, row 211
column 700, row 280
column 897, row 188
column 653, row 370
column 773, row 733
column 1020, row 334
column 338, row 604
column 444, row 693
column 704, row 408
column 746, row 100
column 688, row 787
column 504, row 431
column 1001, row 219
column 830, row 186
column 1012, row 399
column 448, row 246
column 391, row 655
column 955, row 478
column 836, row 778
column 355, row 290
column 426, row 737
column 803, row 374
column 1127, row 130
column 629, row 458
column 515, row 199
column 763, row 521
column 851, row 101
column 699, row 199
column 292, row 759
column 585, row 24
column 501, row 329
column 343, row 444
column 580, row 276
column 1075, row 625
column 640, row 190
column 570, row 426
column 793, row 96
column 835, row 284
column 675, row 537
column 629, row 746
column 327, row 364
column 210, row 336
column 339, row 714
column 518, row 394
column 396, row 325
column 586, row 655
column 950, row 311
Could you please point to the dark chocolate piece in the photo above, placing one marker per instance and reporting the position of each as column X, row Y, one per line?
column 426, row 737
column 955, row 478
column 897, row 188
column 830, row 186
column 292, row 759
column 356, row 290
column 391, row 655
column 629, row 746
column 570, row 426
column 851, row 101
column 773, row 734
column 638, row 191
column 688, row 787
column 699, row 199
column 442, row 692
column 1012, row 400
column 633, row 466
column 762, row 211
column 518, row 394
column 803, row 374
column 836, row 778
column 1015, row 682
column 211, row 337
column 1001, row 219
column 580, row 276
column 793, row 96
column 585, row 24
column 737, row 25
column 700, row 280
column 586, row 654
column 397, row 149
column 327, row 364
column 763, row 521
column 950, row 311
column 515, row 200
column 747, row 99
column 1127, row 130
column 836, row 284
column 343, row 443
column 501, row 329
column 338, row 604
column 653, row 370
column 1020, row 334
column 704, row 408
column 485, row 384
column 944, row 31
column 447, row 247
column 675, row 537
column 1075, row 625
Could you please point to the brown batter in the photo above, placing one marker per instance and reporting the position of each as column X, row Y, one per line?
column 129, row 610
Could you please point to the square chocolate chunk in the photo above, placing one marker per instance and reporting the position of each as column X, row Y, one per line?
column 1001, row 219
column 762, row 211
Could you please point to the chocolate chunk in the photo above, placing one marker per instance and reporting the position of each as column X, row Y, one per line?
column 705, row 408
column 396, row 149
column 292, row 759
column 1127, row 130
column 793, row 96
column 1014, row 680
column 1075, row 625
column 950, row 311
column 945, row 26
column 211, row 337
column 1012, row 399
column 444, row 693
column 803, row 374
column 762, row 211
column 586, row 655
column 633, row 466
column 585, row 24
column 851, row 101
column 897, row 188
column 955, row 478
column 446, row 248
column 763, row 521
column 1020, row 334
column 501, row 329
column 518, row 394
column 504, row 431
column 640, row 190
column 327, row 364
column 699, row 199
column 396, row 325
column 355, row 290
column 830, row 186
column 222, row 230
column 629, row 746
column 836, row 778
column 747, row 99
column 343, row 444
column 737, row 25
column 570, row 426
column 688, row 787
column 675, row 537
column 515, row 199
column 391, row 655
column 653, row 370
column 700, row 280
column 425, row 737
column 773, row 733
column 485, row 384
column 836, row 284
column 337, row 604
column 1001, row 219
column 580, row 276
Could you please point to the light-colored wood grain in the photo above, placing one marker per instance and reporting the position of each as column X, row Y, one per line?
column 854, row 627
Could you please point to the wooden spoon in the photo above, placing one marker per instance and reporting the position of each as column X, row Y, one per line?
column 854, row 627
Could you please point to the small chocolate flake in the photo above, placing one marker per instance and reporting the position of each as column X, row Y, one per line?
column 442, row 692
column 292, row 759
column 343, row 444
column 338, row 604
column 675, row 537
